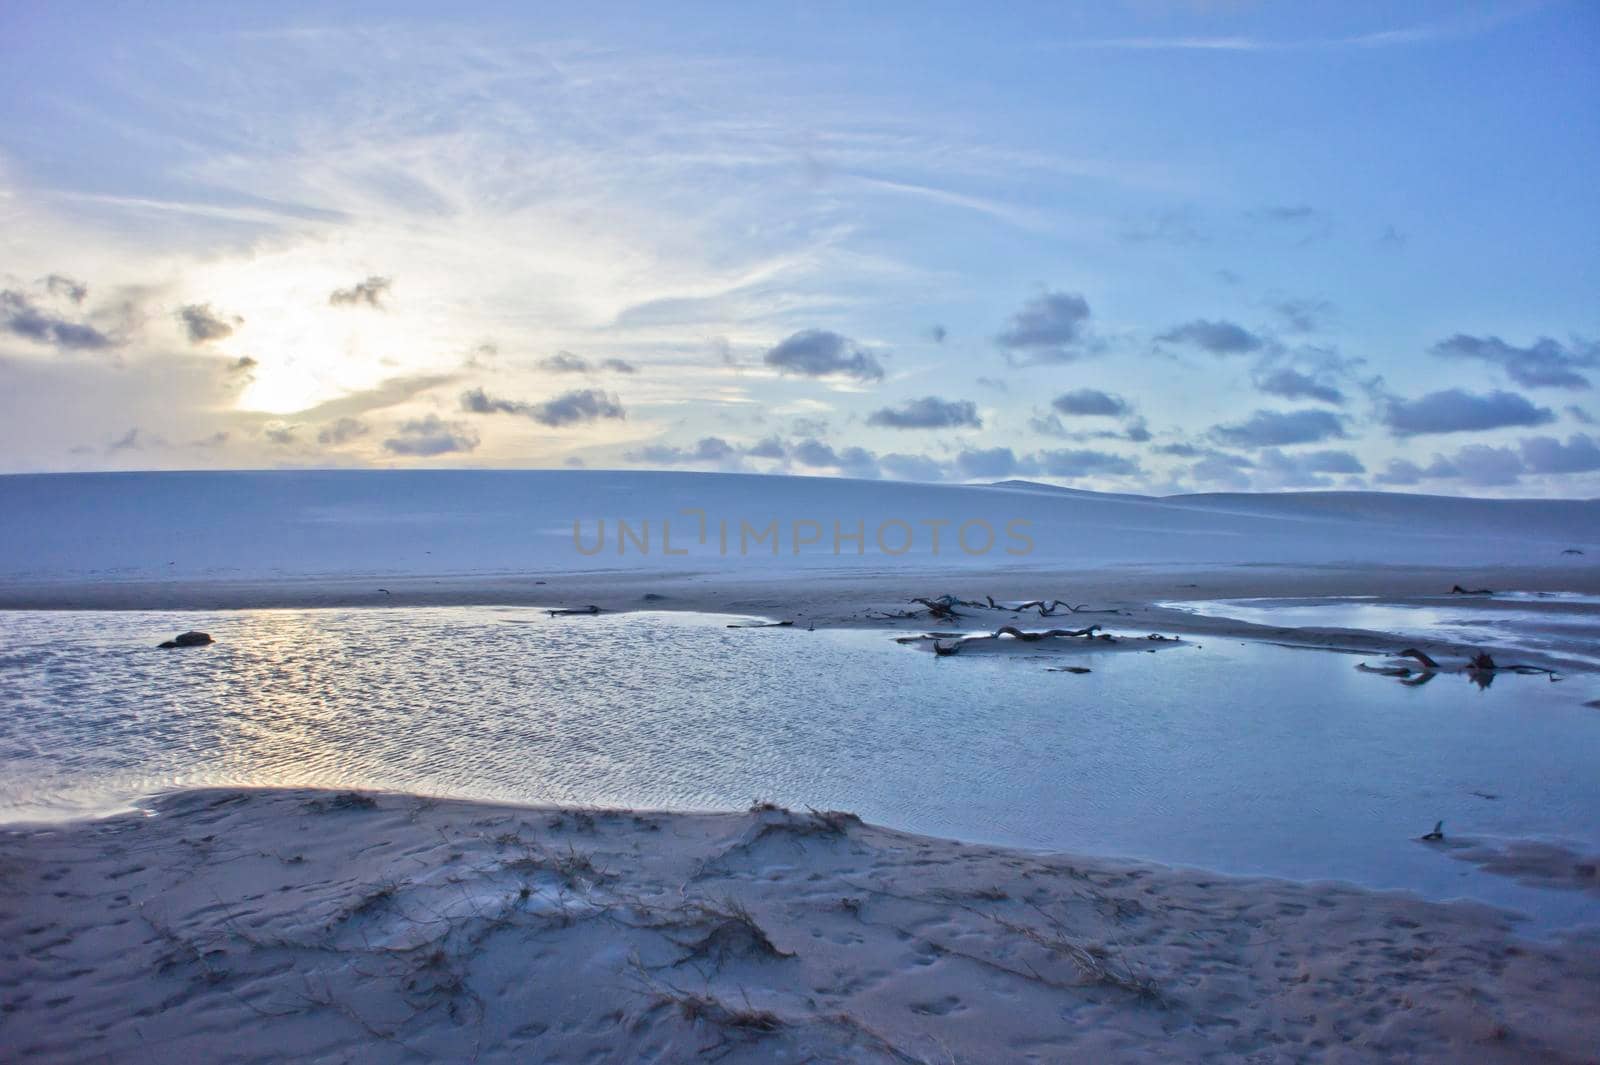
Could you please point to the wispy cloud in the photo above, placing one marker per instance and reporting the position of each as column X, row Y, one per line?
column 1427, row 33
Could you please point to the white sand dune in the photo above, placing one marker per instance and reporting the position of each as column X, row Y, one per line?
column 270, row 525
column 290, row 926
column 398, row 538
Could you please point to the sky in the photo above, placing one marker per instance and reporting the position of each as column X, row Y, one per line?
column 1149, row 247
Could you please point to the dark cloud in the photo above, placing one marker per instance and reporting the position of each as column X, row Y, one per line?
column 1218, row 337
column 477, row 401
column 1051, row 425
column 708, row 449
column 1455, row 411
column 1049, row 328
column 1580, row 415
column 1400, row 472
column 215, row 440
column 858, row 462
column 1478, row 464
column 431, row 436
column 1545, row 363
column 1219, row 467
column 279, row 434
column 66, row 288
column 912, row 467
column 1307, row 468
column 202, row 324
column 1091, row 402
column 1292, row 384
column 769, row 448
column 811, row 452
column 852, row 461
column 1270, row 428
column 567, row 362
column 370, row 292
column 1186, row 451
column 342, row 432
column 938, row 334
column 564, row 362
column 1546, row 454
column 240, row 372
column 930, row 412
column 19, row 316
column 1069, row 464
column 820, row 353
column 989, row 462
column 994, row 383
column 569, row 408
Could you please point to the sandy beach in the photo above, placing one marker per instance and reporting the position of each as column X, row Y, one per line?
column 280, row 924
column 387, row 928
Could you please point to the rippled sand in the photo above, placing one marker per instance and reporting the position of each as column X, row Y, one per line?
column 288, row 926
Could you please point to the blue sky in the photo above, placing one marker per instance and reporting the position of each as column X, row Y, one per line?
column 1138, row 247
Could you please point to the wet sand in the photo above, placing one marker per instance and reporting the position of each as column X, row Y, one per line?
column 873, row 598
column 278, row 925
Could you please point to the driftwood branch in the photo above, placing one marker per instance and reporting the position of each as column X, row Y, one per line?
column 1015, row 633
column 1045, row 609
column 943, row 607
column 1481, row 667
column 1412, row 652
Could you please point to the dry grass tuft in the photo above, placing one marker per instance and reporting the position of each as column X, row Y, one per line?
column 733, row 932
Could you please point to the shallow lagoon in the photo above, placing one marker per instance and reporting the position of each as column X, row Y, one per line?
column 1239, row 757
column 1566, row 624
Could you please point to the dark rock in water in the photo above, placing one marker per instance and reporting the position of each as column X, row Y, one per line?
column 187, row 639
column 652, row 597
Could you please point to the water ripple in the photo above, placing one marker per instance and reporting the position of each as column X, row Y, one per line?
column 1241, row 757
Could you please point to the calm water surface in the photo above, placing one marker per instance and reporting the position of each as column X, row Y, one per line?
column 1232, row 756
column 1566, row 624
